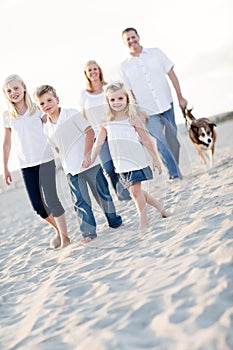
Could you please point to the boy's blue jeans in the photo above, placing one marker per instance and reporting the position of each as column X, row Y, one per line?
column 95, row 179
column 163, row 128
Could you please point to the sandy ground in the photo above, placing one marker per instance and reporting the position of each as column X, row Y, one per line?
column 170, row 287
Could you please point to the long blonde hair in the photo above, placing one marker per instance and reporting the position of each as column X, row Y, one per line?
column 28, row 101
column 131, row 109
column 88, row 82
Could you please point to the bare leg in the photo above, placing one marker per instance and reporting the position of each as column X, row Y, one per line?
column 155, row 204
column 61, row 224
column 141, row 198
column 61, row 238
column 140, row 201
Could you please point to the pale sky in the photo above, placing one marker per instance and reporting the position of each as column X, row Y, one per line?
column 49, row 41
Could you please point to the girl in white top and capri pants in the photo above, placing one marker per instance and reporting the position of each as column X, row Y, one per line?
column 23, row 122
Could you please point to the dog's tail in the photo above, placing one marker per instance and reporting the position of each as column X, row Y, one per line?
column 189, row 118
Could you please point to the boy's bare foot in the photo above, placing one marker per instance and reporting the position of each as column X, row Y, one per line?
column 65, row 241
column 164, row 214
column 86, row 240
column 55, row 242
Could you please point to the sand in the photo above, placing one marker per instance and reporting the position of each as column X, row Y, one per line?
column 170, row 287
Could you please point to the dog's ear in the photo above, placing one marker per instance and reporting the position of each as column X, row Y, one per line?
column 212, row 125
column 194, row 128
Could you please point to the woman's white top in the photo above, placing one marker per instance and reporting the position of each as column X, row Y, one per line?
column 126, row 150
column 93, row 104
column 31, row 144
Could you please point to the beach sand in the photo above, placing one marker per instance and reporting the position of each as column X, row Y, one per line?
column 170, row 287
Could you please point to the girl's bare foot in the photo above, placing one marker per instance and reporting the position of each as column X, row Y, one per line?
column 65, row 241
column 143, row 226
column 55, row 242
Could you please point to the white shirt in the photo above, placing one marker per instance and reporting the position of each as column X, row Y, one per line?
column 146, row 76
column 126, row 150
column 93, row 104
column 68, row 135
column 31, row 144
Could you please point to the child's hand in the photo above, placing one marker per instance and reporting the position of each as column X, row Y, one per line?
column 156, row 164
column 7, row 177
column 86, row 161
column 44, row 119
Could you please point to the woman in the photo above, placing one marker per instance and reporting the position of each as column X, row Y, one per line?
column 23, row 121
column 92, row 103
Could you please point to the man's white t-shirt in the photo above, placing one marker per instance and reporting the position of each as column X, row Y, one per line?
column 31, row 145
column 146, row 76
column 68, row 135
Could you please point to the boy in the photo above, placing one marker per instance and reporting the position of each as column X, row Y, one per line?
column 72, row 136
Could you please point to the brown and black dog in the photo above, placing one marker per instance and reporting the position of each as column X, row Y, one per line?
column 203, row 135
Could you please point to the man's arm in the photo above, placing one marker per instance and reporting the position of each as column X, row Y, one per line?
column 175, row 82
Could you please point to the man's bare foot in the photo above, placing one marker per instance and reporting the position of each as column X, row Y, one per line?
column 55, row 242
column 65, row 241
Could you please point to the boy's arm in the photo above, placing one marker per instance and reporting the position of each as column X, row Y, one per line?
column 89, row 141
column 147, row 142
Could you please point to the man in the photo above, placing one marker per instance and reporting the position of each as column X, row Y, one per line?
column 145, row 72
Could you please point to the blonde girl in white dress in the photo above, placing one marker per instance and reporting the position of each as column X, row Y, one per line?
column 127, row 138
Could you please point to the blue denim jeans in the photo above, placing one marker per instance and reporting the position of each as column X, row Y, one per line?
column 95, row 179
column 163, row 128
column 107, row 164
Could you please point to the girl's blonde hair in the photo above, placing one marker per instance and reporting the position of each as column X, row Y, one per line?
column 28, row 101
column 89, row 87
column 131, row 109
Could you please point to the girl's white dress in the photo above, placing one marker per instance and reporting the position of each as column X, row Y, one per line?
column 127, row 152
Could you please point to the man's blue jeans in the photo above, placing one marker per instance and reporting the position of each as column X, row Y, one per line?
column 95, row 179
column 163, row 128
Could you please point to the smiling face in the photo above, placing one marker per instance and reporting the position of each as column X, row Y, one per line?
column 131, row 39
column 92, row 72
column 117, row 101
column 14, row 91
column 48, row 103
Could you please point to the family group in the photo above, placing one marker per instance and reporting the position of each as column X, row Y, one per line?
column 105, row 143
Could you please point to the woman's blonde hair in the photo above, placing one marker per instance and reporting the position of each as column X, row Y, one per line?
column 28, row 101
column 89, row 87
column 131, row 109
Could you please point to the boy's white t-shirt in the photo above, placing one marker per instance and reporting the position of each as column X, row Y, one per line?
column 31, row 145
column 68, row 135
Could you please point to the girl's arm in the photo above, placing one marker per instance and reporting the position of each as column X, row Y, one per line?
column 147, row 142
column 101, row 137
column 6, row 155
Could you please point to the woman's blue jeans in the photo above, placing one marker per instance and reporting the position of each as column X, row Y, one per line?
column 95, row 179
column 107, row 164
